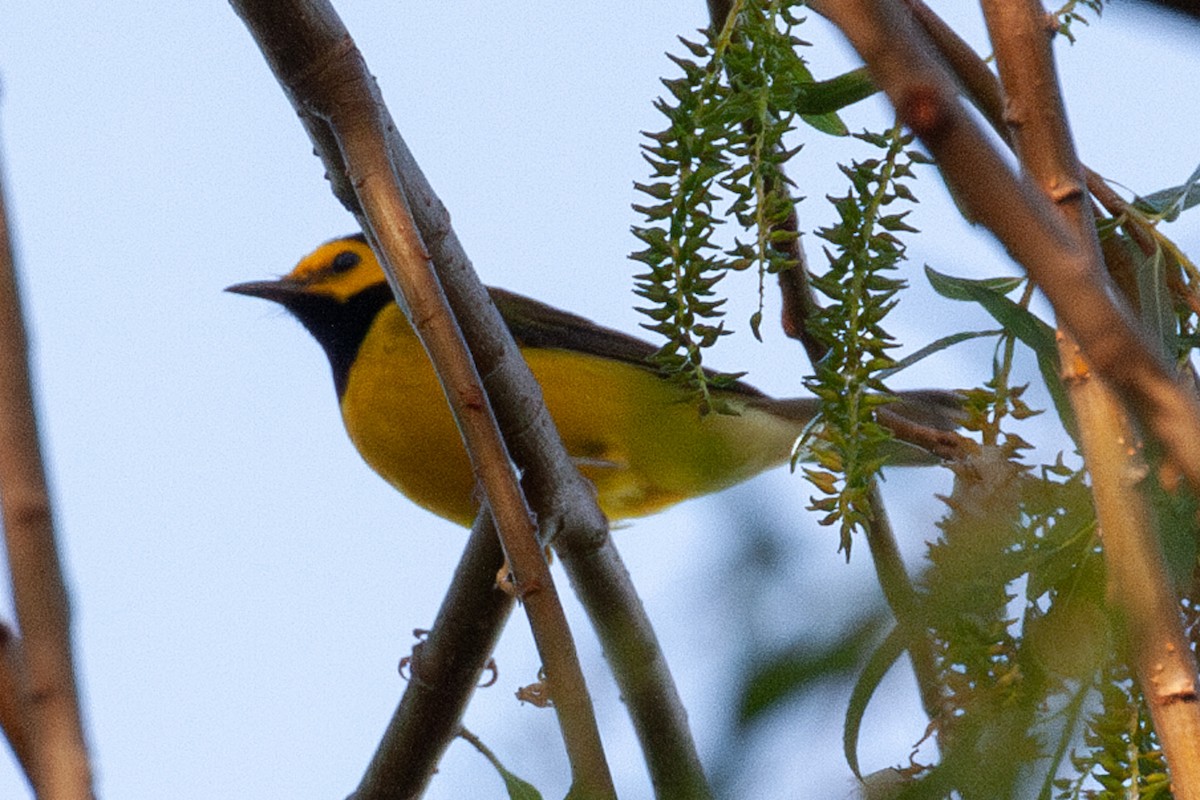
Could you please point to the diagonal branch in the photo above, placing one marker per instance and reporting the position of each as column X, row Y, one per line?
column 326, row 79
column 563, row 500
column 902, row 62
column 59, row 767
column 13, row 700
column 982, row 87
column 1138, row 582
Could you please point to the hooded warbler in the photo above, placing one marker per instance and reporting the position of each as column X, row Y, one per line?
column 636, row 435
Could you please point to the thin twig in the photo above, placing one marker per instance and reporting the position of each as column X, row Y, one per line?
column 946, row 445
column 603, row 585
column 902, row 62
column 326, row 78
column 444, row 670
column 1139, row 584
column 902, row 599
column 60, row 762
column 566, row 509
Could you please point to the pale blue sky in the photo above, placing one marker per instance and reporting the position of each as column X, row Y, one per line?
column 244, row 586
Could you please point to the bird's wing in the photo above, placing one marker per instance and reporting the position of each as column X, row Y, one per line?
column 535, row 324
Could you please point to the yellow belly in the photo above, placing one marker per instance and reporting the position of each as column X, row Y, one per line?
column 633, row 434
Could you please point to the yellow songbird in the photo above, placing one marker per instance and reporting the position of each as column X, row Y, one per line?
column 637, row 436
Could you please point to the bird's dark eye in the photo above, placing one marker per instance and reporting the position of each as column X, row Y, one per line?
column 344, row 261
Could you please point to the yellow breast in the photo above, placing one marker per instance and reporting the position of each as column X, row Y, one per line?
column 633, row 434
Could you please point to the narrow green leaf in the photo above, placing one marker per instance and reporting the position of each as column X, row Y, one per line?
column 517, row 788
column 954, row 288
column 1020, row 322
column 785, row 675
column 934, row 347
column 1158, row 309
column 1169, row 203
column 827, row 123
column 881, row 660
column 1016, row 319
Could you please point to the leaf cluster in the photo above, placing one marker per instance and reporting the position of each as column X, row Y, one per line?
column 1165, row 284
column 1013, row 599
column 1032, row 680
column 727, row 116
column 1072, row 12
column 863, row 249
column 1122, row 753
column 1041, row 669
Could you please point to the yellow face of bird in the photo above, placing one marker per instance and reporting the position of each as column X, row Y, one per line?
column 338, row 269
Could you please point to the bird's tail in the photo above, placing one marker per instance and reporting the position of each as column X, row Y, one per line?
column 923, row 422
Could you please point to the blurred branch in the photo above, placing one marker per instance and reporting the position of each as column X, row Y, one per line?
column 326, row 79
column 603, row 585
column 1187, row 8
column 1139, row 585
column 980, row 84
column 946, row 445
column 13, row 699
column 901, row 61
column 903, row 601
column 59, row 762
column 444, row 671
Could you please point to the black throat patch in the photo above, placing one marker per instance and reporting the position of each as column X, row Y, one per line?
column 340, row 327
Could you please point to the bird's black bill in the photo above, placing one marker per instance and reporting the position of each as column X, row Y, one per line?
column 277, row 291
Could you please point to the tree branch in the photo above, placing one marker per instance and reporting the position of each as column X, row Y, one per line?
column 1139, row 585
column 14, row 700
column 563, row 500
column 902, row 599
column 902, row 62
column 59, row 765
column 1183, row 8
column 326, row 78
column 982, row 88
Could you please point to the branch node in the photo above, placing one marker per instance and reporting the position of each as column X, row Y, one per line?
column 1012, row 114
column 924, row 110
column 1177, row 697
column 1066, row 191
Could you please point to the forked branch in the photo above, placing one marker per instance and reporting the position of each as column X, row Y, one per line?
column 1139, row 585
column 904, row 64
